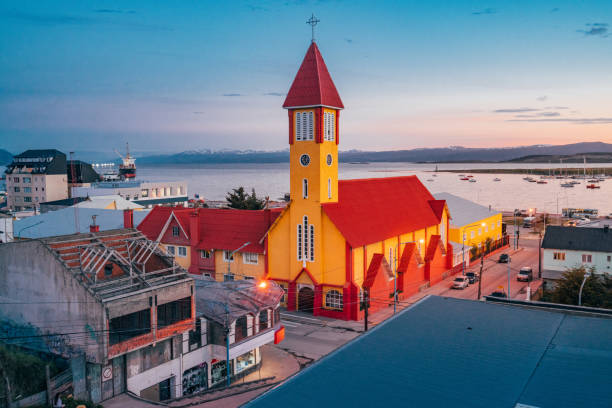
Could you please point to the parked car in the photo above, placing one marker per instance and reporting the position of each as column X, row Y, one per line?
column 472, row 277
column 500, row 293
column 525, row 274
column 460, row 282
column 503, row 258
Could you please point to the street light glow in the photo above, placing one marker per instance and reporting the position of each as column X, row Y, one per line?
column 263, row 284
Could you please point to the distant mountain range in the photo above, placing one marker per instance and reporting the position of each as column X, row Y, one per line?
column 5, row 157
column 453, row 154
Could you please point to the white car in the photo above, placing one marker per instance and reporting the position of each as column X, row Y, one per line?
column 460, row 282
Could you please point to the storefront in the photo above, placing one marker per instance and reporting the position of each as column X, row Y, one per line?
column 218, row 371
column 195, row 379
column 246, row 361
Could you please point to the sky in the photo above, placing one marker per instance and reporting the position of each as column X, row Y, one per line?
column 197, row 74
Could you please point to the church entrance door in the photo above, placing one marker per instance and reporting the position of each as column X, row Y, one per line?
column 306, row 299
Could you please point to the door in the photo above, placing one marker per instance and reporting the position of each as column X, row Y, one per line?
column 306, row 299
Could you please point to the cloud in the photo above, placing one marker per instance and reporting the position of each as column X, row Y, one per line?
column 539, row 114
column 232, row 94
column 349, row 40
column 595, row 30
column 542, row 98
column 484, row 12
column 198, row 113
column 274, row 94
column 556, row 107
column 579, row 121
column 515, row 110
column 114, row 11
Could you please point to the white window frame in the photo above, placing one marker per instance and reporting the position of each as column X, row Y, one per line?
column 329, row 189
column 205, row 254
column 250, row 258
column 182, row 251
column 305, row 229
column 228, row 256
column 334, row 299
column 587, row 258
column 176, row 231
column 304, row 126
column 171, row 249
column 305, row 188
column 559, row 256
column 311, row 241
column 228, row 277
column 300, row 243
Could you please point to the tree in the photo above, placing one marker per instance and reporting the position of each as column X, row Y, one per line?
column 474, row 251
column 488, row 243
column 597, row 291
column 239, row 199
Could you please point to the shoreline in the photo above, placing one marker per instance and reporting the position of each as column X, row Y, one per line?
column 569, row 172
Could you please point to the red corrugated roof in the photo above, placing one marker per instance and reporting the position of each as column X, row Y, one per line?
column 313, row 85
column 371, row 210
column 219, row 228
column 438, row 207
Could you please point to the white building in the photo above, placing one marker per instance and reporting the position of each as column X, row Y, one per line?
column 145, row 193
column 36, row 176
column 569, row 247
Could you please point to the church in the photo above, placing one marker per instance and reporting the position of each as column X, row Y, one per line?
column 340, row 239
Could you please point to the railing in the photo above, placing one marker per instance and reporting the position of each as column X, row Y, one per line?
column 495, row 245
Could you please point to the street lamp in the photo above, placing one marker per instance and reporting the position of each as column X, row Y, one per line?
column 463, row 243
column 231, row 256
column 421, row 241
column 586, row 275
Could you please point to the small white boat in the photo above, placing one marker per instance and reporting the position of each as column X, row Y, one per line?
column 567, row 185
column 472, row 180
column 496, row 179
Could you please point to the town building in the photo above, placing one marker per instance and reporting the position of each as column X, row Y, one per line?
column 36, row 176
column 570, row 247
column 472, row 224
column 68, row 221
column 6, row 228
column 338, row 240
column 81, row 174
column 111, row 301
column 109, row 202
column 145, row 193
column 445, row 352
column 203, row 239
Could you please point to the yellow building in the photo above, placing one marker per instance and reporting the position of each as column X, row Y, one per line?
column 472, row 224
column 338, row 239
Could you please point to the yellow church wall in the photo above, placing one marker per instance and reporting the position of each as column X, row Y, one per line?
column 279, row 251
column 358, row 273
column 334, row 255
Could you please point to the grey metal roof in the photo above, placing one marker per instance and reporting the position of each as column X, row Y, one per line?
column 61, row 222
column 464, row 212
column 445, row 352
column 578, row 239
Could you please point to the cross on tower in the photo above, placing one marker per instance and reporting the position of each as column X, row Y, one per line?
column 313, row 22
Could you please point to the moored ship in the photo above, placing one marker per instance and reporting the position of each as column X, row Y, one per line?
column 127, row 169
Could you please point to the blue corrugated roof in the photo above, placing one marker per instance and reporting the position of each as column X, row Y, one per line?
column 447, row 352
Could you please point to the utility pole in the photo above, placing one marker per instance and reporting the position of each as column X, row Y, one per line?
column 366, row 301
column 227, row 344
column 480, row 277
column 509, row 260
column 540, row 257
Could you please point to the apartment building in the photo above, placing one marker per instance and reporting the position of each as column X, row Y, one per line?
column 36, row 176
column 145, row 193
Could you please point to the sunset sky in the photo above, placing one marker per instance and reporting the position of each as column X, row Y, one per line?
column 187, row 75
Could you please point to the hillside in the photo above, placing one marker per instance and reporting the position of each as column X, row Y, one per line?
column 433, row 155
column 5, row 157
column 573, row 158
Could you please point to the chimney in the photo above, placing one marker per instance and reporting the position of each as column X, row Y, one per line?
column 93, row 227
column 194, row 229
column 128, row 218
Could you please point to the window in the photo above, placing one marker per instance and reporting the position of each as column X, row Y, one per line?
column 170, row 249
column 311, row 243
column 587, row 258
column 300, row 249
column 305, row 188
column 305, row 238
column 170, row 313
column 329, row 122
column 27, row 199
column 195, row 336
column 27, row 179
column 249, row 258
column 248, row 278
column 175, row 231
column 329, row 188
column 131, row 325
column 486, row 228
column 609, row 258
column 228, row 277
column 263, row 320
column 304, row 125
column 479, row 231
column 27, row 189
column 16, row 189
column 559, row 256
column 305, row 241
column 108, row 270
column 241, row 330
column 228, row 256
column 333, row 299
column 471, row 234
column 498, row 224
column 182, row 251
column 16, row 179
column 204, row 254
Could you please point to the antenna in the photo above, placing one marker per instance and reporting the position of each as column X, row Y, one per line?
column 313, row 22
column 74, row 199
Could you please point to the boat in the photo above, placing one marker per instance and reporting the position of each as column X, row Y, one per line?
column 592, row 186
column 496, row 179
column 574, row 182
column 567, row 185
column 464, row 178
column 593, row 181
column 472, row 180
column 127, row 169
column 430, row 179
column 542, row 182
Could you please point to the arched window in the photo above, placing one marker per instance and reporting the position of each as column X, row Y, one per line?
column 305, row 188
column 305, row 241
column 300, row 248
column 333, row 300
column 298, row 126
column 311, row 240
column 305, row 249
column 310, row 135
column 329, row 193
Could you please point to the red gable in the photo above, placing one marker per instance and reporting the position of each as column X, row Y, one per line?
column 218, row 228
column 313, row 85
column 371, row 210
column 438, row 207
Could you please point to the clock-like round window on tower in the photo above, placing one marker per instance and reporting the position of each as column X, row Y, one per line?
column 329, row 159
column 305, row 159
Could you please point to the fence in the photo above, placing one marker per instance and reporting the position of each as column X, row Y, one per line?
column 495, row 245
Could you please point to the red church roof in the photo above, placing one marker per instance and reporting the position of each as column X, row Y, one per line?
column 371, row 210
column 313, row 85
column 219, row 228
